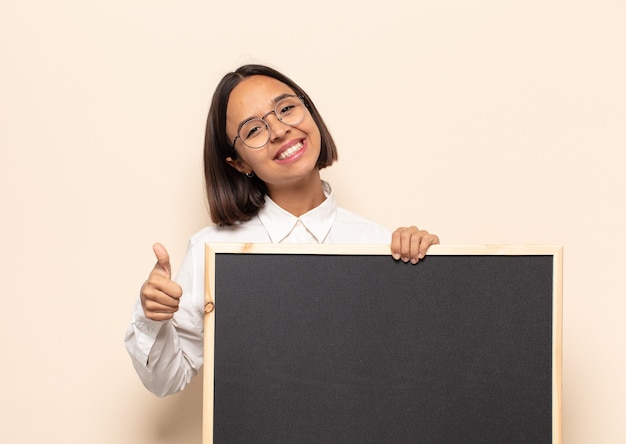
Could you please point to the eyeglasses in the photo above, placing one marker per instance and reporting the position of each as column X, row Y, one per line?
column 255, row 133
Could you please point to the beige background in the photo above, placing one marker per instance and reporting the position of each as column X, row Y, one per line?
column 484, row 121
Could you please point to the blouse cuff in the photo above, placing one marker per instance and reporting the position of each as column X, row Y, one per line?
column 146, row 331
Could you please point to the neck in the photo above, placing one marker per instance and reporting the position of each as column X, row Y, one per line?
column 299, row 198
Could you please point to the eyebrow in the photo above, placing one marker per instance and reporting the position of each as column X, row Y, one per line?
column 274, row 101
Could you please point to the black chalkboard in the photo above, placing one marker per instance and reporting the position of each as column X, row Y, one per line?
column 327, row 345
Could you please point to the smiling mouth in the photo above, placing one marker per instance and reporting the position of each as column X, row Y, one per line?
column 290, row 151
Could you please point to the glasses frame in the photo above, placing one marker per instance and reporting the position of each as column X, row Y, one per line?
column 267, row 126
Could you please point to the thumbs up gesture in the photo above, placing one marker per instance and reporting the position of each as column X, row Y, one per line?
column 160, row 295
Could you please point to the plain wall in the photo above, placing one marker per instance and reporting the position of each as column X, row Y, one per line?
column 487, row 122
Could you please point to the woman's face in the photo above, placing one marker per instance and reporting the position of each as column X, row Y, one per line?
column 291, row 152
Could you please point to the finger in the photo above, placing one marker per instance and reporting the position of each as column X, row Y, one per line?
column 401, row 243
column 420, row 243
column 154, row 306
column 426, row 241
column 157, row 285
column 158, row 316
column 409, row 241
column 163, row 260
column 396, row 243
column 415, row 251
column 411, row 238
column 161, row 297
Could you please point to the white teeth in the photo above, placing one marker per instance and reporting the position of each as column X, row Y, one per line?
column 290, row 151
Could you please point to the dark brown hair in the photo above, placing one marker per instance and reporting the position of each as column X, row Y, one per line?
column 232, row 195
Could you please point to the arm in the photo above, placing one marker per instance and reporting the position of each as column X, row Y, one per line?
column 166, row 335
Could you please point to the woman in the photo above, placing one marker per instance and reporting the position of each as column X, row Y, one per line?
column 265, row 145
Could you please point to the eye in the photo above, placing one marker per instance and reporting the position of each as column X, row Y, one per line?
column 286, row 109
column 251, row 132
column 252, row 129
column 287, row 106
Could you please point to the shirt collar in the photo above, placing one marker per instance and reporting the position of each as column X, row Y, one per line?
column 318, row 221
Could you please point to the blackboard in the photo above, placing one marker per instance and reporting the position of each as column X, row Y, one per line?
column 342, row 344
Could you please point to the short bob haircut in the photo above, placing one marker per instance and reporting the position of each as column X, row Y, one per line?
column 232, row 196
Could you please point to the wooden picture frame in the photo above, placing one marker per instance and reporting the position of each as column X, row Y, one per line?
column 340, row 343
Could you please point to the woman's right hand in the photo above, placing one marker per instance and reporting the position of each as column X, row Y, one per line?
column 160, row 295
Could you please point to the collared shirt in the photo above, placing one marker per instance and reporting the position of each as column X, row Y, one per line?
column 167, row 354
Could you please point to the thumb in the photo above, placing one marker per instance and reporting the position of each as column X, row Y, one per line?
column 163, row 260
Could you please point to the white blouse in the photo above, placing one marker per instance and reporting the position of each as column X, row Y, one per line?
column 167, row 354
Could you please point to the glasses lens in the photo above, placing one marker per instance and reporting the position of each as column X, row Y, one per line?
column 254, row 133
column 290, row 110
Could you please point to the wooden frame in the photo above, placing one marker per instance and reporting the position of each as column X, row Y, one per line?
column 212, row 300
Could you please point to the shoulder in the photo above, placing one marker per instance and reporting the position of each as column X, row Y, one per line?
column 249, row 231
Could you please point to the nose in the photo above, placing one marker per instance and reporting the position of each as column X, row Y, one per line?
column 277, row 128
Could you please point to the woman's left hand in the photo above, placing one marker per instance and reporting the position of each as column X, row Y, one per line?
column 411, row 243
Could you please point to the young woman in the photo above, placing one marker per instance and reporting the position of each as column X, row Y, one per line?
column 265, row 145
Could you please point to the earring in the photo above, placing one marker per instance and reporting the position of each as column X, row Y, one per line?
column 250, row 174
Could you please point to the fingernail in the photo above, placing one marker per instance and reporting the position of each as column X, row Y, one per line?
column 396, row 256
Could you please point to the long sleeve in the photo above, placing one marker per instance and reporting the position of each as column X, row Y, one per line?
column 168, row 354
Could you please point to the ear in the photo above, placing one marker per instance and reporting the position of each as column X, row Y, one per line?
column 239, row 165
